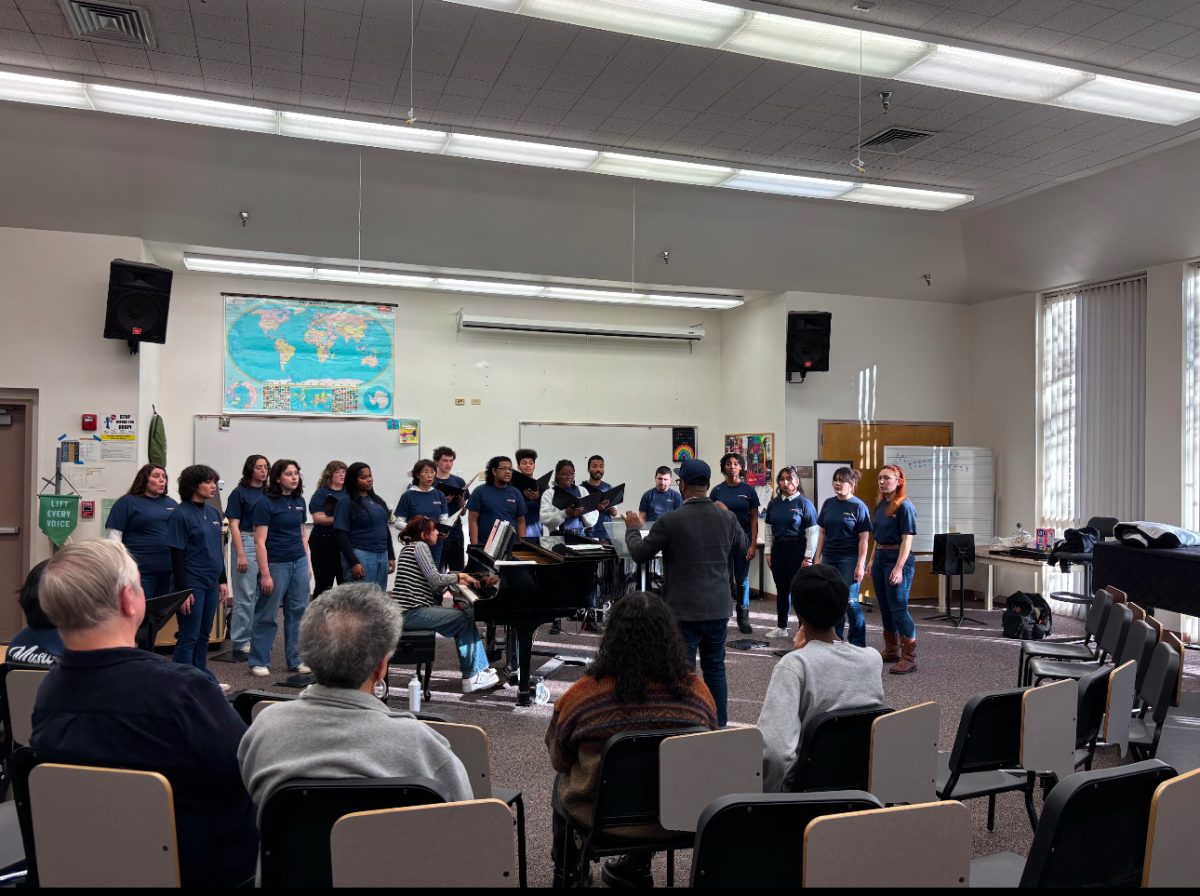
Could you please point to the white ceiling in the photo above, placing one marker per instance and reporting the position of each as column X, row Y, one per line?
column 503, row 73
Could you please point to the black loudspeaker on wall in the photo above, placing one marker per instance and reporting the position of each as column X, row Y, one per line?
column 138, row 298
column 807, row 343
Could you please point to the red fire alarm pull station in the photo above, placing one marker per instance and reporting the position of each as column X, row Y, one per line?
column 88, row 423
column 87, row 510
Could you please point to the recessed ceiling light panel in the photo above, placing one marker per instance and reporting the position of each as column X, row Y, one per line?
column 363, row 133
column 669, row 170
column 521, row 152
column 788, row 184
column 1131, row 99
column 990, row 74
column 695, row 22
column 906, row 197
column 188, row 109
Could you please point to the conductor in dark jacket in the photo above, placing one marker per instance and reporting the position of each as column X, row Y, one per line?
column 697, row 542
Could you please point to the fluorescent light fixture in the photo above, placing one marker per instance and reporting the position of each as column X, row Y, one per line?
column 495, row 149
column 188, row 109
column 788, row 184
column 46, row 91
column 592, row 295
column 1131, row 99
column 661, row 169
column 826, row 46
column 577, row 328
column 489, row 287
column 363, row 133
column 374, row 278
column 501, row 5
column 204, row 265
column 695, row 22
column 906, row 197
column 712, row 303
column 991, row 74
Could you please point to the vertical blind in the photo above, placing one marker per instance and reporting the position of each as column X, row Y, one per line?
column 1093, row 403
column 1191, row 403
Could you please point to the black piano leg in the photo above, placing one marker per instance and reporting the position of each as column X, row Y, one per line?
column 525, row 640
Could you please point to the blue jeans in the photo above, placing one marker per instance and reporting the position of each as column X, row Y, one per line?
column 893, row 599
column 191, row 645
column 155, row 584
column 245, row 594
column 291, row 587
column 786, row 558
column 844, row 564
column 741, row 578
column 534, row 529
column 456, row 624
column 709, row 637
column 375, row 568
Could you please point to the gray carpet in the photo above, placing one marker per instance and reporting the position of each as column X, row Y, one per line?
column 952, row 664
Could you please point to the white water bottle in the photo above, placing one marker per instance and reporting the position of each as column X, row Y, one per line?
column 414, row 695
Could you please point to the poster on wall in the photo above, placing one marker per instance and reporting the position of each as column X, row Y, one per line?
column 758, row 454
column 307, row 356
column 683, row 443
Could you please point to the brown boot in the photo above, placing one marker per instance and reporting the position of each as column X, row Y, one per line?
column 891, row 647
column 908, row 657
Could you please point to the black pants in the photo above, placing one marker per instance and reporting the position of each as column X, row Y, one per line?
column 326, row 562
column 787, row 555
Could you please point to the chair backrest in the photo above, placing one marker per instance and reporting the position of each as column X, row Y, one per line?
column 1171, row 841
column 1140, row 634
column 20, row 693
column 1097, row 612
column 989, row 733
column 1138, row 612
column 1048, row 716
column 904, row 755
column 1105, row 525
column 1092, row 694
column 1118, row 596
column 1118, row 706
column 471, row 745
column 1171, row 639
column 1159, row 631
column 1093, row 827
column 1158, row 687
column 73, row 808
column 245, row 703
column 468, row 844
column 835, row 750
column 1116, row 629
column 297, row 818
column 749, row 840
column 863, row 849
column 695, row 769
column 628, row 790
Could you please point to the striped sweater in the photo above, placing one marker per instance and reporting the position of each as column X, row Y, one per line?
column 589, row 713
column 418, row 583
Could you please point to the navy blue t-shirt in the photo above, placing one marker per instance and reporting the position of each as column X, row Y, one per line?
column 365, row 522
column 317, row 504
column 240, row 507
column 790, row 518
column 195, row 529
column 741, row 499
column 142, row 522
column 492, row 503
column 842, row 522
column 414, row 502
column 888, row 529
column 655, row 503
column 36, row 647
column 284, row 518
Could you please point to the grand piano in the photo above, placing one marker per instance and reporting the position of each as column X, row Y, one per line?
column 541, row 580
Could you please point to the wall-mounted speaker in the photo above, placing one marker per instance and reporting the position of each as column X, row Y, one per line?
column 807, row 343
column 139, row 296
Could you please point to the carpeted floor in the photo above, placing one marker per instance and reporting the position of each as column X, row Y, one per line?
column 952, row 665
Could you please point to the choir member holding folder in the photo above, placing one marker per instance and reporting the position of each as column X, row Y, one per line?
column 455, row 489
column 562, row 508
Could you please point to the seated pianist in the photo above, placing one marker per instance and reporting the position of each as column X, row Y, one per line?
column 339, row 728
column 109, row 704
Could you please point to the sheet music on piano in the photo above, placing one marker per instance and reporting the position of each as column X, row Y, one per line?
column 500, row 540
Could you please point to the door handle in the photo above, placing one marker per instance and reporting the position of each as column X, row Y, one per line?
column 10, row 530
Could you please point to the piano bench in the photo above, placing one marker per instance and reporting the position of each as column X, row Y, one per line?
column 417, row 647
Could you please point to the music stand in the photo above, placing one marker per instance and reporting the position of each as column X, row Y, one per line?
column 954, row 555
column 158, row 611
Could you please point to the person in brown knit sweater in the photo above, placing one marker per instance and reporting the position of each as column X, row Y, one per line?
column 641, row 680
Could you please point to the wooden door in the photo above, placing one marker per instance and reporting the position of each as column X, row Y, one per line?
column 16, row 476
column 863, row 444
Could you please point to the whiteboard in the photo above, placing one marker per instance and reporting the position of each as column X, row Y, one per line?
column 823, row 471
column 631, row 451
column 312, row 442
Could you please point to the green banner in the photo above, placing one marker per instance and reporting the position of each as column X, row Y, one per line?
column 58, row 515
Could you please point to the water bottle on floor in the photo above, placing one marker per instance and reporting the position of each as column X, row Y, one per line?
column 414, row 695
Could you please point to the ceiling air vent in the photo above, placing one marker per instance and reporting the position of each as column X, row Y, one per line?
column 112, row 23
column 896, row 140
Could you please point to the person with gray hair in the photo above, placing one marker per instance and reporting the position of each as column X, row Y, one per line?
column 339, row 728
column 109, row 704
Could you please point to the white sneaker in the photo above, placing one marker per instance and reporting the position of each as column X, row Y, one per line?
column 778, row 633
column 260, row 671
column 225, row 688
column 481, row 682
column 302, row 669
column 245, row 648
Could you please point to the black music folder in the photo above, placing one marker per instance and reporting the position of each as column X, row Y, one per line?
column 523, row 483
column 594, row 499
column 450, row 491
column 158, row 611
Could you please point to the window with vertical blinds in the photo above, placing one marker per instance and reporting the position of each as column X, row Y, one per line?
column 1093, row 421
column 1191, row 403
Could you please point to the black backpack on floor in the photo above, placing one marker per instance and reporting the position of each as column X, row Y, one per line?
column 1027, row 616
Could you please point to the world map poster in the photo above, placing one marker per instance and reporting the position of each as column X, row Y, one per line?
column 300, row 356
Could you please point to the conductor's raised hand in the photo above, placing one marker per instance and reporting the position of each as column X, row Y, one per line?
column 633, row 520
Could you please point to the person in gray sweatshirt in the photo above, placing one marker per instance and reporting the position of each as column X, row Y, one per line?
column 822, row 674
column 338, row 728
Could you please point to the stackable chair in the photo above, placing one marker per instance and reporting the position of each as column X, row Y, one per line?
column 1092, row 834
column 1171, row 841
column 904, row 755
column 835, row 750
column 1109, row 644
column 1093, row 624
column 1049, row 730
column 1089, row 715
column 18, row 692
column 1132, row 648
column 1156, row 695
column 750, row 840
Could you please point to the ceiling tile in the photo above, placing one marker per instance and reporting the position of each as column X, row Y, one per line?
column 478, row 70
column 322, row 101
column 374, row 53
column 276, row 37
column 223, row 51
column 499, row 109
column 366, row 107
column 1157, row 35
column 58, row 46
column 275, row 95
column 1041, row 40
column 468, row 87
column 374, row 74
column 176, row 42
column 281, row 60
column 384, row 30
column 131, row 57
column 350, row 7
column 229, row 88
column 19, row 40
column 522, row 76
column 550, row 34
column 466, row 104
column 371, row 93
column 277, row 12
column 1152, row 63
column 326, row 21
column 513, row 93
column 536, row 56
column 11, row 19
column 74, row 66
column 269, row 77
column 179, row 65
column 220, row 27
column 331, row 45
column 1029, row 12
column 542, row 115
column 385, row 9
column 327, row 68
column 23, row 58
column 315, row 84
column 226, row 71
column 552, row 99
column 178, row 82
column 233, row 9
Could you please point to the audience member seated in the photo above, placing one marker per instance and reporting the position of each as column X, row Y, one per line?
column 641, row 680
column 339, row 728
column 38, row 643
column 107, row 703
column 822, row 674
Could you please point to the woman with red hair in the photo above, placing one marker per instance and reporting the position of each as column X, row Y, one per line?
column 895, row 524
